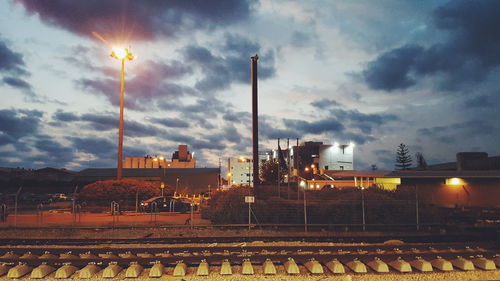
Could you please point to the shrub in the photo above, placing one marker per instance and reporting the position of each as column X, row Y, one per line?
column 332, row 206
column 103, row 192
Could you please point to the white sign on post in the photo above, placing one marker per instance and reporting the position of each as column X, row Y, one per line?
column 249, row 199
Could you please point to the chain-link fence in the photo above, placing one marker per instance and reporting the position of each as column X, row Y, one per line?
column 330, row 209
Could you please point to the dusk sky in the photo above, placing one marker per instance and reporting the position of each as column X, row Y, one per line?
column 376, row 73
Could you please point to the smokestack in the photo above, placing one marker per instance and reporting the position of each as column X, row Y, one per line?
column 255, row 123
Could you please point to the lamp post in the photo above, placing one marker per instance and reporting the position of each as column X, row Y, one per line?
column 121, row 54
column 303, row 185
column 176, row 185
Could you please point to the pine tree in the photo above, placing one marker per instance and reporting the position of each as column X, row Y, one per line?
column 403, row 157
column 269, row 172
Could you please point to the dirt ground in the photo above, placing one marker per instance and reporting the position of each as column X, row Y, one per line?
column 51, row 219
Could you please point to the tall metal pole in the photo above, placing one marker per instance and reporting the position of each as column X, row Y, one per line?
column 279, row 168
column 255, row 123
column 120, row 130
column 288, row 168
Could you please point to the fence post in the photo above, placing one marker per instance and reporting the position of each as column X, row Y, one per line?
column 74, row 199
column 39, row 212
column 363, row 207
column 305, row 210
column 416, row 207
column 3, row 213
column 136, row 201
column 77, row 210
column 249, row 217
column 115, row 211
column 15, row 205
column 192, row 213
column 154, row 210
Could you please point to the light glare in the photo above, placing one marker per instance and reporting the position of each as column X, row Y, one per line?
column 120, row 53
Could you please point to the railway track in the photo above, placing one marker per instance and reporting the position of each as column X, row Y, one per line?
column 337, row 238
column 117, row 261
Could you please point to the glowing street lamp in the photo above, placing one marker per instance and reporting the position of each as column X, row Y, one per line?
column 121, row 54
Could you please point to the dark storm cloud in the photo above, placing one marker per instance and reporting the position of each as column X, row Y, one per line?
column 392, row 70
column 171, row 122
column 138, row 20
column 479, row 102
column 231, row 134
column 343, row 125
column 178, row 137
column 315, row 127
column 17, row 83
column 269, row 129
column 10, row 61
column 60, row 115
column 13, row 67
column 136, row 129
column 16, row 124
column 100, row 122
column 106, row 122
column 366, row 123
column 133, row 151
column 234, row 66
column 452, row 132
column 237, row 117
column 200, row 113
column 324, row 103
column 149, row 83
column 204, row 144
column 357, row 138
column 468, row 54
column 54, row 154
column 95, row 145
column 231, row 117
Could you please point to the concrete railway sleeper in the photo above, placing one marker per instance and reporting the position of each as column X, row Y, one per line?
column 109, row 262
column 228, row 267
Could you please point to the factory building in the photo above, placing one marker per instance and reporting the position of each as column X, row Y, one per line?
column 181, row 158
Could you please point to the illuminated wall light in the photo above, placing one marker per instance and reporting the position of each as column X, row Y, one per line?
column 454, row 181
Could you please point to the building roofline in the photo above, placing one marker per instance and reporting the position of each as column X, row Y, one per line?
column 416, row 174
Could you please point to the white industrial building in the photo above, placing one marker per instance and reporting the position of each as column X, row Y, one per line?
column 336, row 157
column 240, row 169
column 322, row 156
